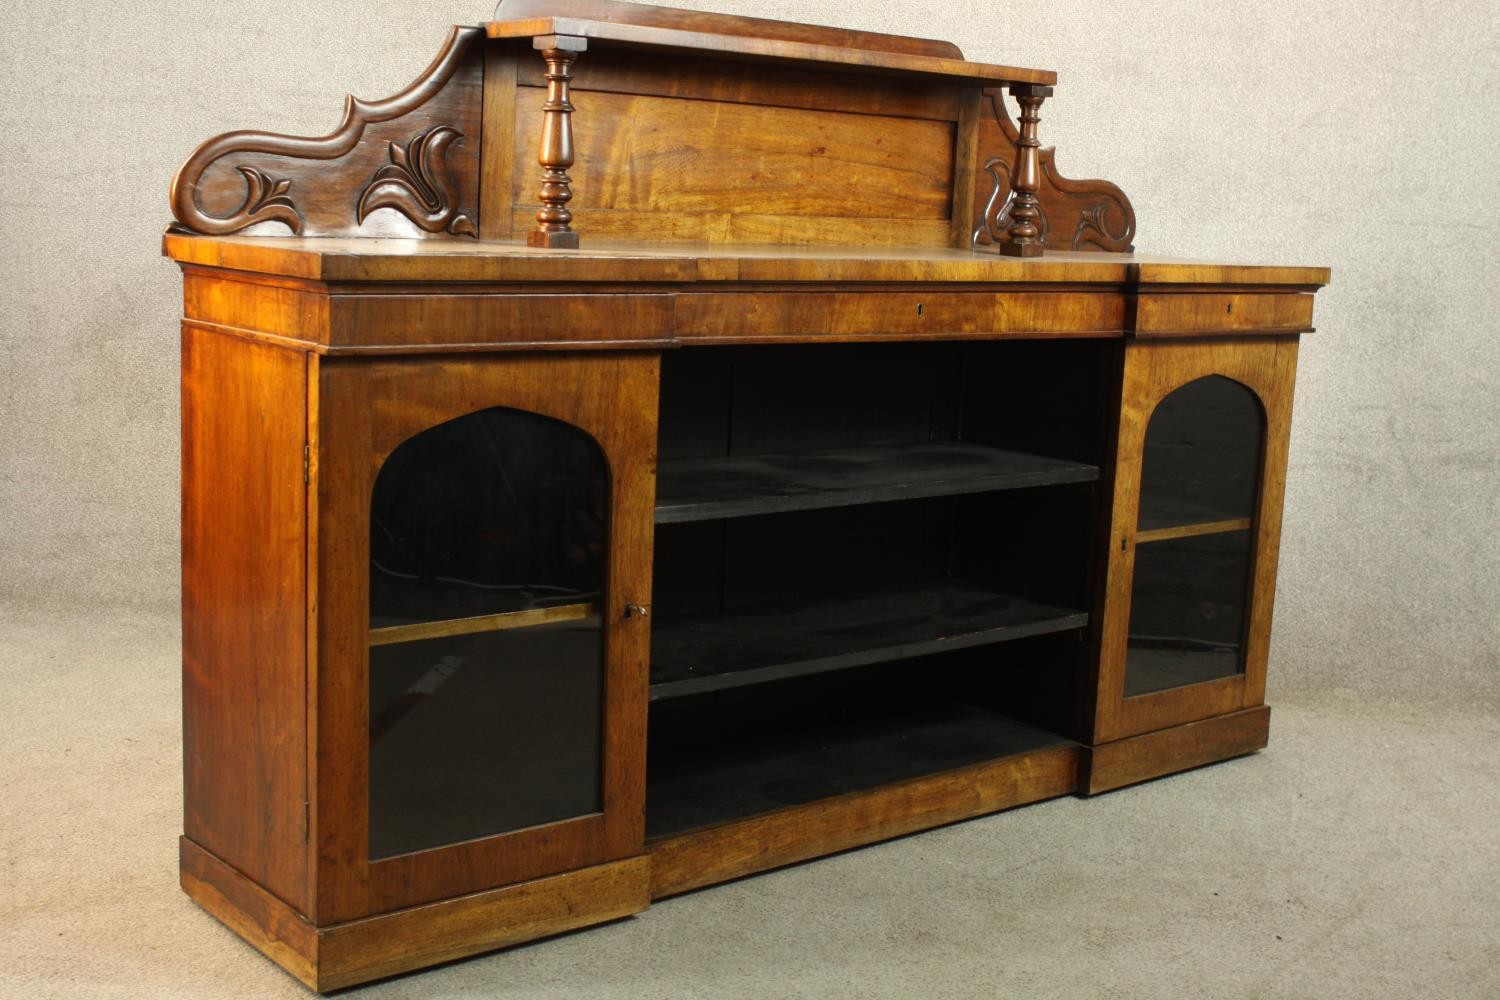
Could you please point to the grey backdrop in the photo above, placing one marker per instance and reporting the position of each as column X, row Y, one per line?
column 1357, row 135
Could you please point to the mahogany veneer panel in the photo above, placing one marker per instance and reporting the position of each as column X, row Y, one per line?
column 755, row 84
column 733, row 37
column 341, row 955
column 671, row 169
column 1266, row 366
column 1194, row 315
column 244, row 608
column 728, row 25
column 738, row 317
column 336, row 259
column 720, row 853
column 1151, row 755
column 365, row 410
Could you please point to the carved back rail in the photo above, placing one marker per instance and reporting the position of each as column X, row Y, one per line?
column 541, row 139
column 1073, row 215
column 404, row 166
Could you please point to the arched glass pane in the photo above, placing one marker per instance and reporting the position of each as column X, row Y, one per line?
column 487, row 559
column 1199, row 482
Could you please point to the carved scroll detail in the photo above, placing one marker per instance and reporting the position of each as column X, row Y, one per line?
column 266, row 199
column 1075, row 215
column 1094, row 219
column 996, row 215
column 328, row 200
column 416, row 184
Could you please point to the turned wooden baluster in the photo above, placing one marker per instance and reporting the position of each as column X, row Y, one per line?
column 554, row 221
column 1024, row 238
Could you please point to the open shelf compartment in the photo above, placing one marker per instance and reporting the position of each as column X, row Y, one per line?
column 869, row 565
column 744, row 760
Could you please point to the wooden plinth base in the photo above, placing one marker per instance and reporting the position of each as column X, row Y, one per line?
column 552, row 241
column 358, row 951
column 1140, row 758
column 720, row 853
column 340, row 955
column 1011, row 249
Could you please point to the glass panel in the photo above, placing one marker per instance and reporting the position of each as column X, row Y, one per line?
column 487, row 559
column 1187, row 611
column 1199, row 482
column 1202, row 455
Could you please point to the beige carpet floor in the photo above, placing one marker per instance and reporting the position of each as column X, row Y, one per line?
column 1357, row 857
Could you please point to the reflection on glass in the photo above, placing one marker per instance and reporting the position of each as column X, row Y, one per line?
column 1202, row 455
column 1187, row 611
column 1199, row 482
column 487, row 556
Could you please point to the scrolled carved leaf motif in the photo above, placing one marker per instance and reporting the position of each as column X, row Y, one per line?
column 1075, row 215
column 327, row 186
column 416, row 184
column 995, row 219
column 267, row 199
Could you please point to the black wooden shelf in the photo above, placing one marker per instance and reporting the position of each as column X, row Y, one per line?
column 702, row 775
column 703, row 489
column 692, row 654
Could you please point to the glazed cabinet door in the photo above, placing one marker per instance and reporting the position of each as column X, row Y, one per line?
column 1196, row 520
column 483, row 561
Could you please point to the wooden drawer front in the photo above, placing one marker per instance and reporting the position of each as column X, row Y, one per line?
column 519, row 321
column 280, row 310
column 1177, row 314
column 749, row 316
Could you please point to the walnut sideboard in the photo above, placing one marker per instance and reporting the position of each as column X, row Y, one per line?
column 656, row 447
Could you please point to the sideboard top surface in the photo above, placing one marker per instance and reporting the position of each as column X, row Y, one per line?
column 642, row 26
column 409, row 260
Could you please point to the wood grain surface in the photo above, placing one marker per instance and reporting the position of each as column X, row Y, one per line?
column 1089, row 215
column 1153, row 369
column 364, row 410
column 675, row 169
column 659, row 29
column 347, row 954
column 362, row 950
column 733, row 25
column 718, row 854
column 405, row 166
column 244, row 668
column 1233, row 313
column 400, row 261
column 1167, row 751
column 706, row 78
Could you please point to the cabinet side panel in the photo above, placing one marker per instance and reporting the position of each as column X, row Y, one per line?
column 243, row 607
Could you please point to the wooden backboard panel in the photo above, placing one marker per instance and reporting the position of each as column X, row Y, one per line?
column 657, row 167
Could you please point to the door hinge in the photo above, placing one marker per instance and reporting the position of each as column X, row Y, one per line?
column 307, row 463
column 306, row 819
